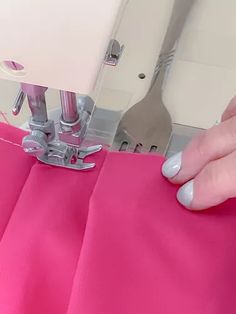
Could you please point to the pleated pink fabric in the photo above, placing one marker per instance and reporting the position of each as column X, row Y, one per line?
column 113, row 240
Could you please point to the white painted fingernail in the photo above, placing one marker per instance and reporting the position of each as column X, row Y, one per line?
column 185, row 194
column 172, row 166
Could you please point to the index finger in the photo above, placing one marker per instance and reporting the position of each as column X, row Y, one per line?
column 210, row 145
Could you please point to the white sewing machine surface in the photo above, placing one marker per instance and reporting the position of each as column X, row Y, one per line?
column 141, row 76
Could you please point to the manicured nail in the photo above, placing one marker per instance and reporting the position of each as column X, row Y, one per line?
column 185, row 194
column 172, row 166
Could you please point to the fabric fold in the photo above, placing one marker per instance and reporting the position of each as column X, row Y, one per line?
column 112, row 240
column 14, row 171
column 144, row 253
column 40, row 248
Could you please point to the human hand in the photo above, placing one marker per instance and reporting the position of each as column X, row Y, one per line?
column 206, row 169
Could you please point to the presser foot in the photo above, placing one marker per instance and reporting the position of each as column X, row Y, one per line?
column 57, row 153
column 62, row 155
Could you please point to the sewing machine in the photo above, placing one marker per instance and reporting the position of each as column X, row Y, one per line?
column 130, row 74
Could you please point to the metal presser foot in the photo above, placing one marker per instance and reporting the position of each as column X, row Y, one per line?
column 62, row 155
column 66, row 151
column 59, row 154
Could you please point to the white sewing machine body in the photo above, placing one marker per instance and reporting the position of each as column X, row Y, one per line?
column 198, row 79
column 60, row 44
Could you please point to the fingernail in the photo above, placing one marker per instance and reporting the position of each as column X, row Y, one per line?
column 185, row 194
column 172, row 166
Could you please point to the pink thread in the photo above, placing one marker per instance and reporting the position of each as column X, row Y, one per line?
column 9, row 142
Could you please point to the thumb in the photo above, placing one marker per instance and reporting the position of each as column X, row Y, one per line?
column 213, row 185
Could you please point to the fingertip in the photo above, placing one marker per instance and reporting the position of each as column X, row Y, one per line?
column 185, row 194
column 172, row 166
column 187, row 197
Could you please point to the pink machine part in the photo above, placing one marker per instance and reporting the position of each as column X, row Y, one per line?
column 112, row 240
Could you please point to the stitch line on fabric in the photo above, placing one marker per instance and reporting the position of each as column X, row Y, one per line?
column 9, row 142
column 77, row 265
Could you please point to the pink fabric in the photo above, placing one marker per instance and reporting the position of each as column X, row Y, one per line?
column 109, row 241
